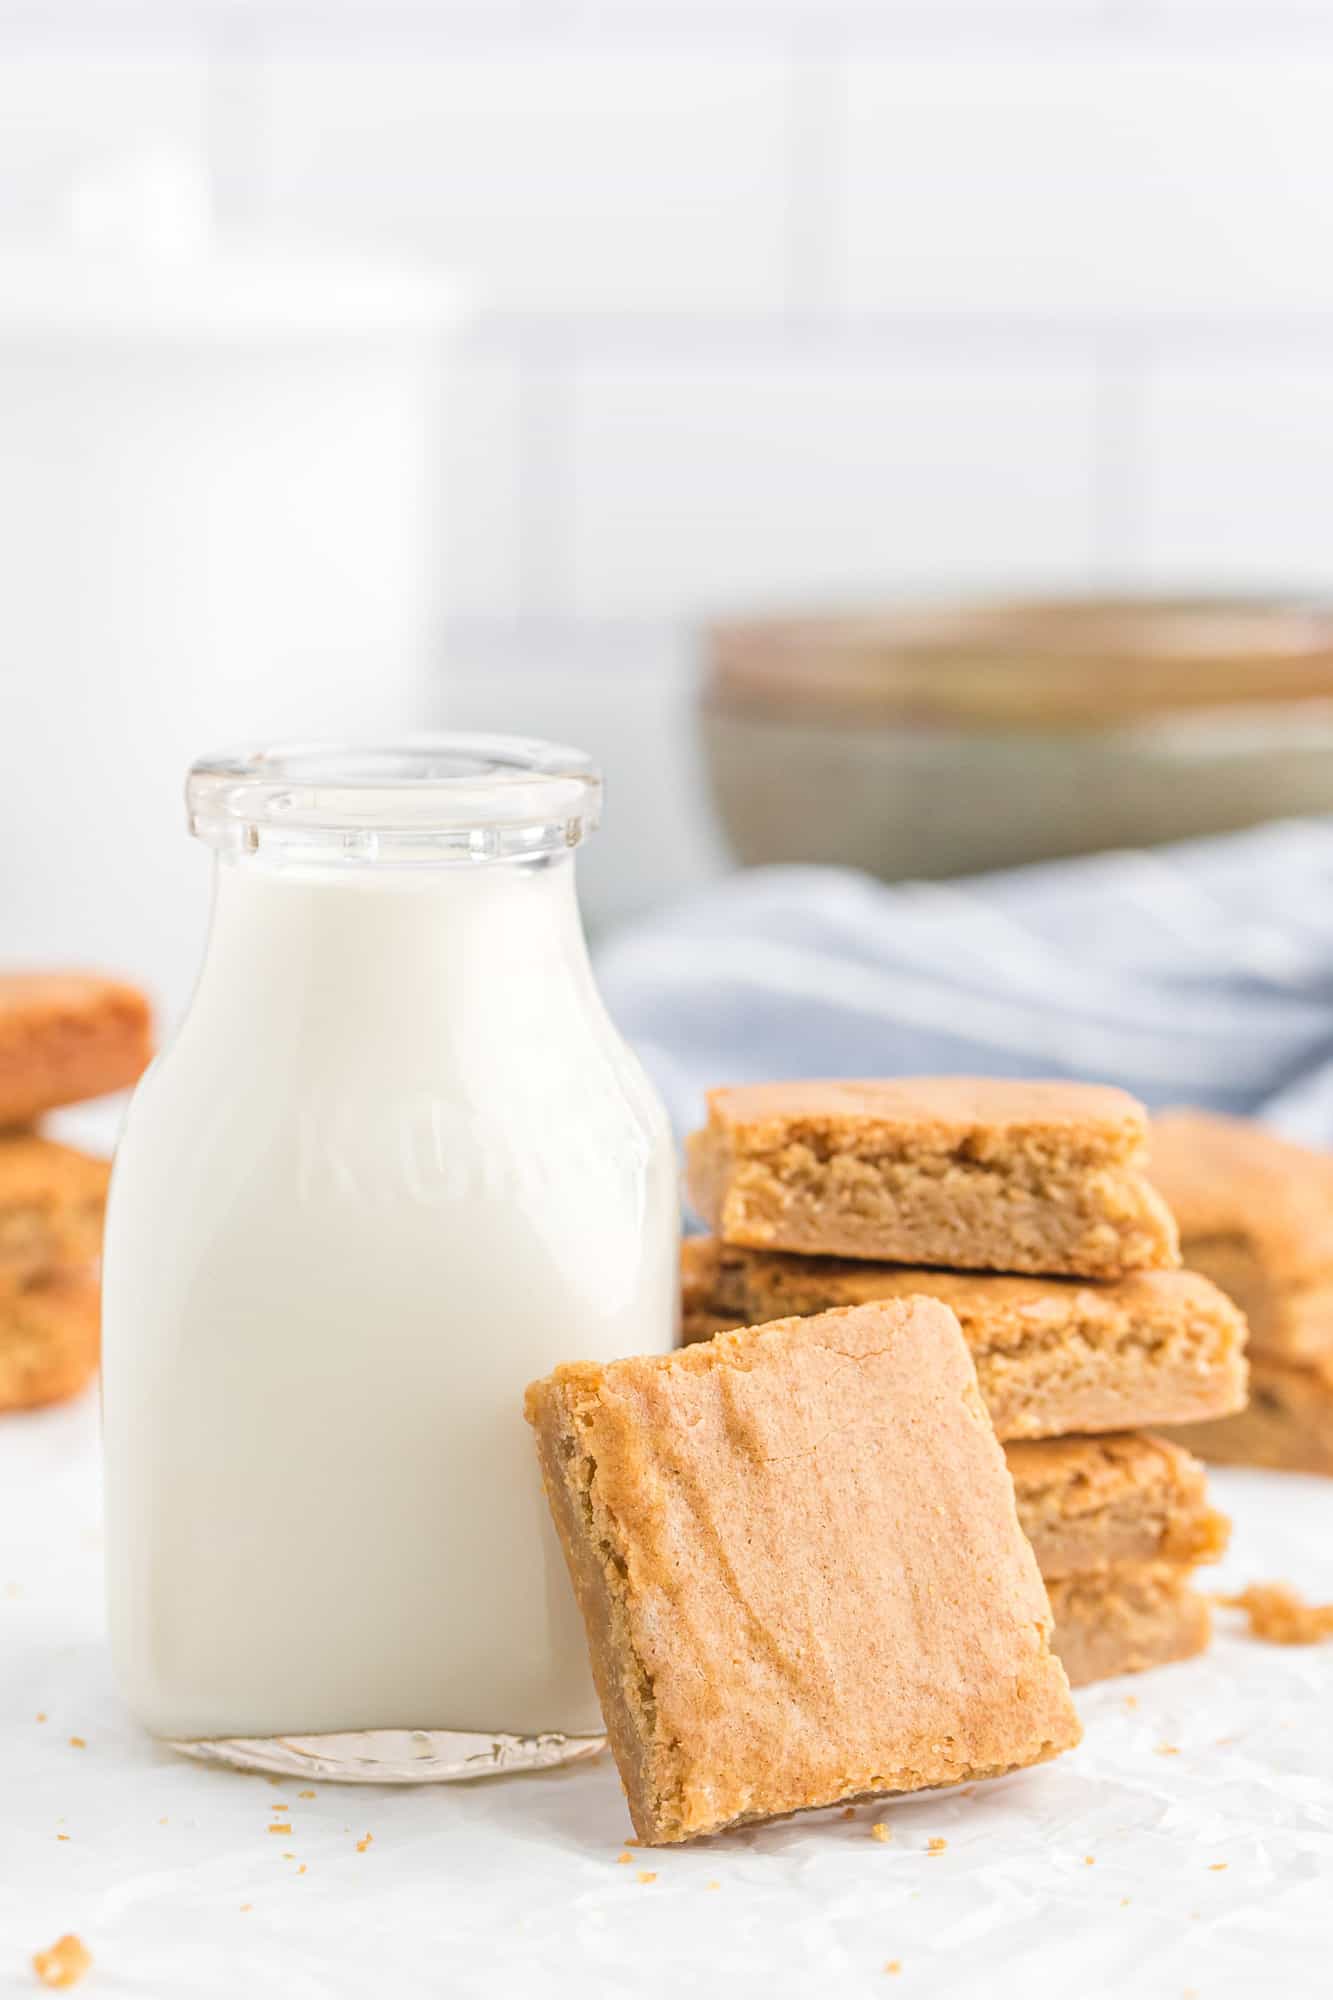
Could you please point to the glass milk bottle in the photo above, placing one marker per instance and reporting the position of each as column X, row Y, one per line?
column 395, row 1163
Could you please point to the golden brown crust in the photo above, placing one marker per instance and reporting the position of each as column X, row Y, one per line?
column 1053, row 1355
column 49, row 1340
column 967, row 1173
column 1124, row 1620
column 1287, row 1425
column 52, row 1201
column 1089, row 1503
column 800, row 1567
column 65, row 1037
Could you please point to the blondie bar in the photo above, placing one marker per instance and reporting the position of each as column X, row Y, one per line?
column 52, row 1199
column 49, row 1340
column 1256, row 1215
column 1087, row 1503
column 800, row 1566
column 1122, row 1620
column 1052, row 1355
column 1287, row 1425
column 969, row 1173
column 67, row 1036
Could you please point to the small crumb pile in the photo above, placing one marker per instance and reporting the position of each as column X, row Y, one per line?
column 1281, row 1615
column 65, row 1964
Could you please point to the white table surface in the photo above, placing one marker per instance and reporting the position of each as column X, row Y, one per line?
column 1202, row 1793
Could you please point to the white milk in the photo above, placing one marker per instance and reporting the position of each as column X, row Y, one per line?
column 396, row 1163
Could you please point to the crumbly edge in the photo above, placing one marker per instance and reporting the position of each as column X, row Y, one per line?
column 1128, row 1619
column 50, row 1341
column 562, row 1415
column 1098, row 1221
column 1075, row 1529
column 1089, row 1376
column 50, row 1213
column 1099, row 1316
column 1290, row 1312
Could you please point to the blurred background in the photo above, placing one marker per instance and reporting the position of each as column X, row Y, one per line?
column 367, row 365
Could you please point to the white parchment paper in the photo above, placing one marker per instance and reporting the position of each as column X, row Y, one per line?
column 1185, row 1849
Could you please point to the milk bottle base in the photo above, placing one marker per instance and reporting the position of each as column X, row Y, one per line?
column 391, row 1756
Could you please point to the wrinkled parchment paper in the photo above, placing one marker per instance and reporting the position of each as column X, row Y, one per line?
column 1185, row 1849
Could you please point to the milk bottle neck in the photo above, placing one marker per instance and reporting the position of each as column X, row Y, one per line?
column 371, row 936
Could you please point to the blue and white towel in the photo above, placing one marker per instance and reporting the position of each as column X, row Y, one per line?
column 1198, row 974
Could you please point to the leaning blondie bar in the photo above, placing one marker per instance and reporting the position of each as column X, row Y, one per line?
column 800, row 1567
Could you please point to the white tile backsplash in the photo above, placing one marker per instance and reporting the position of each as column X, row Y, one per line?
column 700, row 487
column 589, row 177
column 77, row 98
column 1238, row 472
column 1108, row 177
column 783, row 301
column 484, row 430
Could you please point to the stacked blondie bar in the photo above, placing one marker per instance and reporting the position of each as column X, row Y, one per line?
column 1024, row 1208
column 1256, row 1215
column 63, row 1038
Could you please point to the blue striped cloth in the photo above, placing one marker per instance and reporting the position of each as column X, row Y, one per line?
column 1197, row 974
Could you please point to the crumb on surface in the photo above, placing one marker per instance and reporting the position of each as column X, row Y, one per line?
column 712, row 1885
column 281, row 1826
column 301, row 1869
column 1088, row 1860
column 893, row 1965
column 1168, row 1750
column 647, row 1874
column 1131, row 1701
column 936, row 1845
column 881, row 1830
column 1216, row 1867
column 64, row 1964
column 849, row 1812
column 1124, row 1902
column 307, row 1795
column 245, row 1907
column 41, row 1715
column 624, row 1856
column 62, row 1836
column 77, row 1743
column 1280, row 1615
column 363, row 1843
